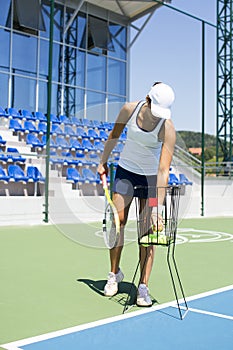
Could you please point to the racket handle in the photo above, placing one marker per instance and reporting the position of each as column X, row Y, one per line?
column 104, row 180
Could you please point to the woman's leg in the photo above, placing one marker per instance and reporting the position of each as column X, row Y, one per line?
column 146, row 253
column 146, row 263
column 115, row 276
column 122, row 204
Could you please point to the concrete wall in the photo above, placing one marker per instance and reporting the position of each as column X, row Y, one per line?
column 69, row 206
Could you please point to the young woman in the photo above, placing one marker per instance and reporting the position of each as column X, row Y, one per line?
column 145, row 161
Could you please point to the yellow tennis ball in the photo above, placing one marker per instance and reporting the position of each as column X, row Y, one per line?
column 160, row 228
column 162, row 239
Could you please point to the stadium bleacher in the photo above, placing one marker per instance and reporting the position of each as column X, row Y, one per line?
column 75, row 146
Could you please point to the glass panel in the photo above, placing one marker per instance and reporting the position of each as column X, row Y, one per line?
column 5, row 49
column 4, row 9
column 58, row 20
column 56, row 60
column 54, row 100
column 43, row 94
column 44, row 60
column 24, row 53
column 95, row 106
column 80, row 68
column 119, row 36
column 96, row 72
column 79, row 104
column 42, row 103
column 3, row 90
column 114, row 107
column 82, row 30
column 116, row 77
column 23, row 93
column 45, row 6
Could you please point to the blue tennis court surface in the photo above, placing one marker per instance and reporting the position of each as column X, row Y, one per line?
column 207, row 325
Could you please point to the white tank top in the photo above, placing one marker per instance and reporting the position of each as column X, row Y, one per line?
column 141, row 152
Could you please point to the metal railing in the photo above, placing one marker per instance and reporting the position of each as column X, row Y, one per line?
column 215, row 169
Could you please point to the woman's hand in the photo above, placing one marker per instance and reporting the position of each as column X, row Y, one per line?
column 102, row 169
column 157, row 222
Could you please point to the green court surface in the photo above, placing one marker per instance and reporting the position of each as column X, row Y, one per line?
column 51, row 281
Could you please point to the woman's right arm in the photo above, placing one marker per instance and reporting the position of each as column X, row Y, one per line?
column 114, row 135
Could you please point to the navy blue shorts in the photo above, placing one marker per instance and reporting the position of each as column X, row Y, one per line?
column 134, row 185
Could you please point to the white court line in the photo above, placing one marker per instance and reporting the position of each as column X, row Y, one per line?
column 14, row 345
column 215, row 314
column 17, row 344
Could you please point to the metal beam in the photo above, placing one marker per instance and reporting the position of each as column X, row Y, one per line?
column 224, row 80
column 73, row 17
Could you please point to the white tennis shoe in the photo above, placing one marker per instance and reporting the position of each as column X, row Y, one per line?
column 111, row 287
column 143, row 297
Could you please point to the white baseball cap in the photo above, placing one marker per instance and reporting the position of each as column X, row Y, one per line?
column 162, row 96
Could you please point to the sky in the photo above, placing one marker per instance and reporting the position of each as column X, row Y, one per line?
column 169, row 49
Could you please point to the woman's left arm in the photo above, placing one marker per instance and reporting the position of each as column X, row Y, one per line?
column 169, row 140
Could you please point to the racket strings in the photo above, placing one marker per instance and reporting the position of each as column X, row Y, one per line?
column 109, row 228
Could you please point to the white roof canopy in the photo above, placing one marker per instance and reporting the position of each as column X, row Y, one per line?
column 130, row 10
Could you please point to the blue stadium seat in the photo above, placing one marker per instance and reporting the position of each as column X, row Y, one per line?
column 106, row 126
column 42, row 128
column 34, row 141
column 30, row 127
column 88, row 146
column 2, row 142
column 14, row 113
column 93, row 134
column 69, row 131
column 16, row 126
column 93, row 158
column 103, row 135
column 65, row 120
column 81, row 133
column 54, row 119
column 173, row 180
column 14, row 155
column 76, row 121
column 86, row 122
column 69, row 159
column 90, row 177
column 40, row 117
column 99, row 146
column 75, row 145
column 123, row 137
column 27, row 115
column 3, row 176
column 34, row 174
column 62, row 143
column 3, row 113
column 73, row 175
column 184, row 180
column 51, row 141
column 118, row 148
column 3, row 156
column 57, row 130
column 82, row 160
column 96, row 123
column 54, row 159
column 16, row 174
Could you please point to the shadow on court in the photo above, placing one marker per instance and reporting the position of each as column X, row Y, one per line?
column 127, row 292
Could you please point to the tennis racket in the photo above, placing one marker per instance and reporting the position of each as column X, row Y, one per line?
column 111, row 221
